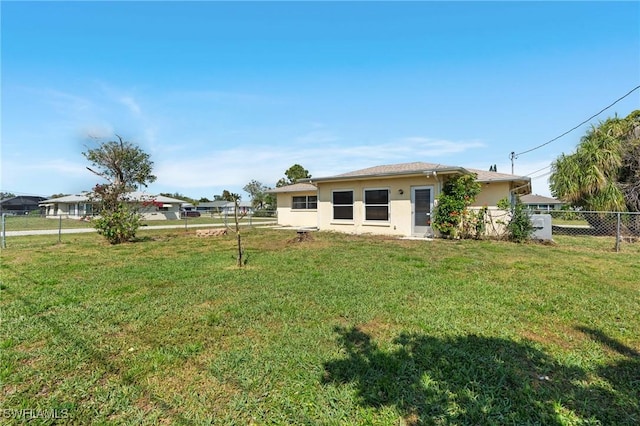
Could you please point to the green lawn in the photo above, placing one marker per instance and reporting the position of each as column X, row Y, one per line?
column 30, row 222
column 338, row 330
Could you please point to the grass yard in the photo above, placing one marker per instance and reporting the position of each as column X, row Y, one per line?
column 337, row 329
column 29, row 222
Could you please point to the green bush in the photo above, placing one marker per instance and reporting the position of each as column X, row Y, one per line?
column 520, row 228
column 457, row 194
column 118, row 225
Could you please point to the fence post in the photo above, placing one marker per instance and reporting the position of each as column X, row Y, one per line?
column 4, row 229
column 186, row 218
column 618, row 236
column 59, row 229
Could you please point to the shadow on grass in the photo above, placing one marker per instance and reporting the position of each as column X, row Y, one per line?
column 477, row 380
column 615, row 397
column 71, row 338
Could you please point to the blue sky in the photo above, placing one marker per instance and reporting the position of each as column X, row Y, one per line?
column 220, row 93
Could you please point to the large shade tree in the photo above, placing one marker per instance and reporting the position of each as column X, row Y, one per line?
column 293, row 174
column 125, row 167
column 603, row 174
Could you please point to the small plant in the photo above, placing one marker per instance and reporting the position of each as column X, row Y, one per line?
column 474, row 223
column 520, row 227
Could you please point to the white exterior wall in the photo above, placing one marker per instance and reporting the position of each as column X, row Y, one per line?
column 493, row 192
column 287, row 216
column 399, row 222
column 400, row 208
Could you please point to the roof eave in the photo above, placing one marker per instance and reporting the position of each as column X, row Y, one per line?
column 443, row 170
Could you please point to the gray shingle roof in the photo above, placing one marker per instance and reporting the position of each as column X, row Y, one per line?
column 131, row 196
column 539, row 199
column 391, row 169
column 296, row 187
column 421, row 167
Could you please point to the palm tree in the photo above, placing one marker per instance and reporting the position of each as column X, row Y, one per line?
column 590, row 177
column 604, row 172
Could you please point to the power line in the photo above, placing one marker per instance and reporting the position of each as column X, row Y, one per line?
column 539, row 170
column 541, row 176
column 575, row 127
column 513, row 155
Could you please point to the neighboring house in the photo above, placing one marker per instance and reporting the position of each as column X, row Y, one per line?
column 537, row 202
column 244, row 207
column 152, row 207
column 225, row 207
column 395, row 199
column 211, row 206
column 21, row 204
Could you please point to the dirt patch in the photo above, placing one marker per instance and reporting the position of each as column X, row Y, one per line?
column 302, row 237
column 375, row 328
column 565, row 338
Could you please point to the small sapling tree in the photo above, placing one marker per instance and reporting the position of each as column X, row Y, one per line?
column 237, row 216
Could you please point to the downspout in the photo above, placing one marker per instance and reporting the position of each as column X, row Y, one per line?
column 512, row 192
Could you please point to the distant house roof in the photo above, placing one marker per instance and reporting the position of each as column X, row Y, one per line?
column 67, row 199
column 21, row 200
column 131, row 196
column 539, row 199
column 212, row 204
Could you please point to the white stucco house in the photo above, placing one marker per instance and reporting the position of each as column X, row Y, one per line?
column 395, row 199
column 81, row 206
column 541, row 203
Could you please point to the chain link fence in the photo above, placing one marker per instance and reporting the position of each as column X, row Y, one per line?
column 33, row 223
column 624, row 227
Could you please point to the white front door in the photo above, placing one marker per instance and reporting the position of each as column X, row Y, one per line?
column 421, row 207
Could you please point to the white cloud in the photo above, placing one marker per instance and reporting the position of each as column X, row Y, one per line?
column 131, row 104
column 318, row 151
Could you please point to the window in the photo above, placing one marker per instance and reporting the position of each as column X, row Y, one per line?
column 376, row 204
column 342, row 205
column 305, row 202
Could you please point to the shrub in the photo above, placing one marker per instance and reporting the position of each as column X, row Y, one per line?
column 520, row 228
column 457, row 194
column 118, row 225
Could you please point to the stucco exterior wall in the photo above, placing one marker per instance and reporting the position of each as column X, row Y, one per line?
column 399, row 222
column 491, row 193
column 287, row 216
column 400, row 207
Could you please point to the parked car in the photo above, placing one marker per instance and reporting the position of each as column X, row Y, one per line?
column 189, row 213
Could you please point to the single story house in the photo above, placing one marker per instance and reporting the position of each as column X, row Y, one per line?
column 541, row 203
column 211, row 206
column 395, row 199
column 21, row 204
column 224, row 207
column 152, row 207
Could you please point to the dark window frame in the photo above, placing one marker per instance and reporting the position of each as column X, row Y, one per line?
column 304, row 202
column 343, row 204
column 377, row 207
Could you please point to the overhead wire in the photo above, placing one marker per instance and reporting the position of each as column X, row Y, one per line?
column 575, row 127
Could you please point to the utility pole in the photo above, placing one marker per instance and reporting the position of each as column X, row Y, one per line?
column 512, row 156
